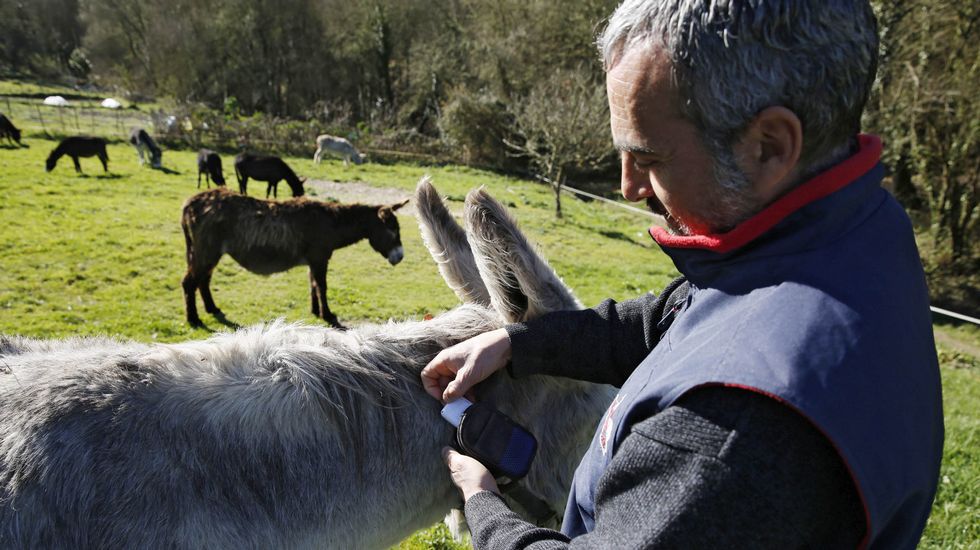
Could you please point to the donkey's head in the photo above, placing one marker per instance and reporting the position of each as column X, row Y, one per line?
column 492, row 263
column 384, row 234
column 52, row 160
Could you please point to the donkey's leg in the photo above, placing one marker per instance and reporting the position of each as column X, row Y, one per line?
column 105, row 161
column 189, row 284
column 205, row 286
column 199, row 269
column 78, row 167
column 314, row 299
column 316, row 156
column 199, row 180
column 319, row 273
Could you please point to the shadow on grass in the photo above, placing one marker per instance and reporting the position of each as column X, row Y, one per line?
column 109, row 176
column 12, row 146
column 220, row 317
column 167, row 171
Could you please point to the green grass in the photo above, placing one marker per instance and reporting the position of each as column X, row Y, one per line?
column 88, row 255
column 24, row 87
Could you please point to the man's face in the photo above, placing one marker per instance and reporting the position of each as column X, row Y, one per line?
column 663, row 159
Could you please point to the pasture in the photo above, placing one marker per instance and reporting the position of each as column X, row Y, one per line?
column 103, row 254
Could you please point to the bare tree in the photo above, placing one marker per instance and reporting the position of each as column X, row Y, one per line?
column 562, row 123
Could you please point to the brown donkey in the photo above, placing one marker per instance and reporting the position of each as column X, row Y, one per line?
column 267, row 237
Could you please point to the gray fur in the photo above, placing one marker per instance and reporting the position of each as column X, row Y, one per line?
column 447, row 244
column 274, row 436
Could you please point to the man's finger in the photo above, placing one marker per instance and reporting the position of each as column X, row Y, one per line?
column 433, row 387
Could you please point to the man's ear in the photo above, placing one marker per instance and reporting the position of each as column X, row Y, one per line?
column 769, row 152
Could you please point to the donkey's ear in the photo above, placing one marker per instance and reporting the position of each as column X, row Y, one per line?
column 447, row 244
column 399, row 205
column 522, row 285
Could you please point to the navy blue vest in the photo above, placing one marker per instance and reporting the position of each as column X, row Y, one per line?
column 819, row 302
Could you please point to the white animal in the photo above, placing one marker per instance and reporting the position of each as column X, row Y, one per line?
column 337, row 146
column 278, row 436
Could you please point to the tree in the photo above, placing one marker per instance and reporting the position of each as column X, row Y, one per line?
column 927, row 107
column 562, row 123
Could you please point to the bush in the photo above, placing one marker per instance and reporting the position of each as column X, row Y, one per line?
column 475, row 127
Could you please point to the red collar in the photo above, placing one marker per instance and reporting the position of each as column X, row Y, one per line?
column 869, row 152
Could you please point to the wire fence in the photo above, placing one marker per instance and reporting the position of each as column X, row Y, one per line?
column 86, row 116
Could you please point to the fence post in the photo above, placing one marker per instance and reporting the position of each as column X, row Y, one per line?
column 41, row 119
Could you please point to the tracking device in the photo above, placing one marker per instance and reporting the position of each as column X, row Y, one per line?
column 491, row 437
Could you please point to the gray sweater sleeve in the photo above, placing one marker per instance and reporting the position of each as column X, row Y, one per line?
column 573, row 344
column 720, row 467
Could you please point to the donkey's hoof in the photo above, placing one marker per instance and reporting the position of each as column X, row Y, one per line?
column 214, row 311
column 195, row 322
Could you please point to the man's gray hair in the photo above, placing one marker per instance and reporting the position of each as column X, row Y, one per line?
column 733, row 58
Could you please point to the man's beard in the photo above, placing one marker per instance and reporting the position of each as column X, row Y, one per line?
column 726, row 207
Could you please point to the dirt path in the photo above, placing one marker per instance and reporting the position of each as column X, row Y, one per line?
column 955, row 343
column 353, row 191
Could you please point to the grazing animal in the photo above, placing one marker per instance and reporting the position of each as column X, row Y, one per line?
column 79, row 146
column 278, row 436
column 142, row 141
column 209, row 164
column 269, row 169
column 8, row 130
column 336, row 146
column 267, row 237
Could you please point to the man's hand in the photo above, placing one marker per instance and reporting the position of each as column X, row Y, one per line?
column 457, row 369
column 468, row 474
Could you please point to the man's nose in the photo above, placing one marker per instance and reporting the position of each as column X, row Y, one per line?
column 635, row 184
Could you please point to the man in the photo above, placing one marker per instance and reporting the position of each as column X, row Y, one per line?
column 787, row 394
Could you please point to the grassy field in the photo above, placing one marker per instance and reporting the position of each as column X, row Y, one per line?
column 103, row 254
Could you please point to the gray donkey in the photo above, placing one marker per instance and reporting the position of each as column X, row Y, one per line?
column 279, row 435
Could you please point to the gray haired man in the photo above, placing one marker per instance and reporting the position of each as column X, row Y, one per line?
column 785, row 392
